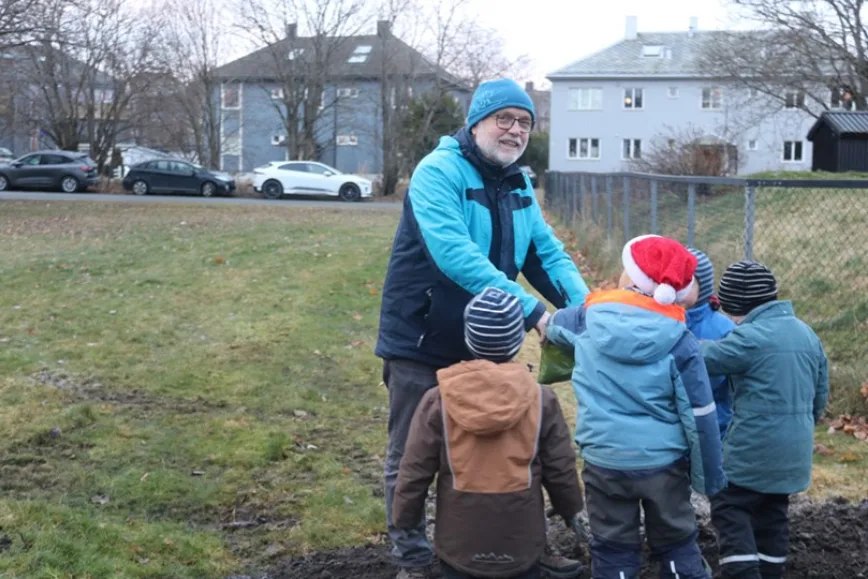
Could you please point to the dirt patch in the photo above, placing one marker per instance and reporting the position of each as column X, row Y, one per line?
column 89, row 388
column 827, row 541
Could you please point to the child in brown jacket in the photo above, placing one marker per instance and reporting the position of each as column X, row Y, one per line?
column 494, row 438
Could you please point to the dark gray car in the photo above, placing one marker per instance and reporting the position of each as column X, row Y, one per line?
column 68, row 171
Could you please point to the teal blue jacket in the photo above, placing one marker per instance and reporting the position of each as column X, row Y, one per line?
column 644, row 400
column 780, row 386
column 466, row 225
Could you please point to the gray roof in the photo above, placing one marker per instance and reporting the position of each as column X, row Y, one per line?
column 842, row 123
column 625, row 58
column 400, row 59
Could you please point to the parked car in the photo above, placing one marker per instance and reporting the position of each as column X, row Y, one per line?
column 530, row 174
column 275, row 180
column 171, row 176
column 65, row 170
column 6, row 155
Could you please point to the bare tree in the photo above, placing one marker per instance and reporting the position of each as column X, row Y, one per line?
column 18, row 23
column 808, row 54
column 687, row 151
column 477, row 54
column 181, row 103
column 83, row 70
column 298, row 67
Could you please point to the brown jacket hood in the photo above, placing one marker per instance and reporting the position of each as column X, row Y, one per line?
column 484, row 397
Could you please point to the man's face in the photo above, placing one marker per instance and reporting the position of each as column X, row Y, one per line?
column 502, row 137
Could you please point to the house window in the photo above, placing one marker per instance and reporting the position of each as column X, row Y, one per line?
column 752, row 145
column 231, row 97
column 232, row 144
column 633, row 98
column 585, row 99
column 104, row 96
column 277, row 93
column 794, row 99
column 348, row 93
column 652, row 50
column 347, row 140
column 673, row 92
column 792, row 151
column 632, row 149
column 712, row 98
column 278, row 140
column 294, row 53
column 360, row 54
column 841, row 98
column 584, row 148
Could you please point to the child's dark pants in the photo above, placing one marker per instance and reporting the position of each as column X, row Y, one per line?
column 448, row 572
column 614, row 500
column 753, row 532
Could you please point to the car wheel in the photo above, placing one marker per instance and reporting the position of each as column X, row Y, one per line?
column 272, row 189
column 350, row 192
column 4, row 183
column 208, row 189
column 69, row 184
column 140, row 187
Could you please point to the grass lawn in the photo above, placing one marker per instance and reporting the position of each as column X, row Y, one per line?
column 190, row 391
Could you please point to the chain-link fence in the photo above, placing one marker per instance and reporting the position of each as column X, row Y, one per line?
column 811, row 233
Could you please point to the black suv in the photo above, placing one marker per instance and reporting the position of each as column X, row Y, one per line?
column 67, row 171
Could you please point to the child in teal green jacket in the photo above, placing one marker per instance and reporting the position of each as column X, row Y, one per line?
column 780, row 386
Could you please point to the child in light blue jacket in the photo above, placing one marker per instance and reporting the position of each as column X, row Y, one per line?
column 707, row 323
column 646, row 423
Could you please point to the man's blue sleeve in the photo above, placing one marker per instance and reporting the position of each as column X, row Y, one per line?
column 435, row 200
column 549, row 268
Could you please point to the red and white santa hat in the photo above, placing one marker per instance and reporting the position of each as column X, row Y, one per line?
column 660, row 267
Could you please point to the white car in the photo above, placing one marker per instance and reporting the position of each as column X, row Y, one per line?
column 6, row 155
column 276, row 179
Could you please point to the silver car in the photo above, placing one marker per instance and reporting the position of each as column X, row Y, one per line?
column 67, row 171
column 6, row 155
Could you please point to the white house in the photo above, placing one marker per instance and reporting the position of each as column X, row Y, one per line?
column 618, row 103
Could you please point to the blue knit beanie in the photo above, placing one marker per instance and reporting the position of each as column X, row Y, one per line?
column 704, row 275
column 494, row 325
column 493, row 95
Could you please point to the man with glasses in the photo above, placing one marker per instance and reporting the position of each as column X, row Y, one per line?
column 470, row 220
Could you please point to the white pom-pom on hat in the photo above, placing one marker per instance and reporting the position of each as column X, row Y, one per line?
column 665, row 294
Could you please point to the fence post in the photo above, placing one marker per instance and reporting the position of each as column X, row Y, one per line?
column 654, row 207
column 749, row 198
column 691, row 213
column 582, row 196
column 594, row 199
column 609, row 208
column 573, row 190
column 559, row 195
column 626, row 209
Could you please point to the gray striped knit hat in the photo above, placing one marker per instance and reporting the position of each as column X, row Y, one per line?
column 745, row 285
column 494, row 325
column 704, row 275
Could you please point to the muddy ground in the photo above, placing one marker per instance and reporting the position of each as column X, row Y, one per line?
column 827, row 541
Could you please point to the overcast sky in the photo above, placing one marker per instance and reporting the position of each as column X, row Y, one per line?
column 555, row 33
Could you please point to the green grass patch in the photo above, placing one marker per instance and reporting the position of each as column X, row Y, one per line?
column 187, row 391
